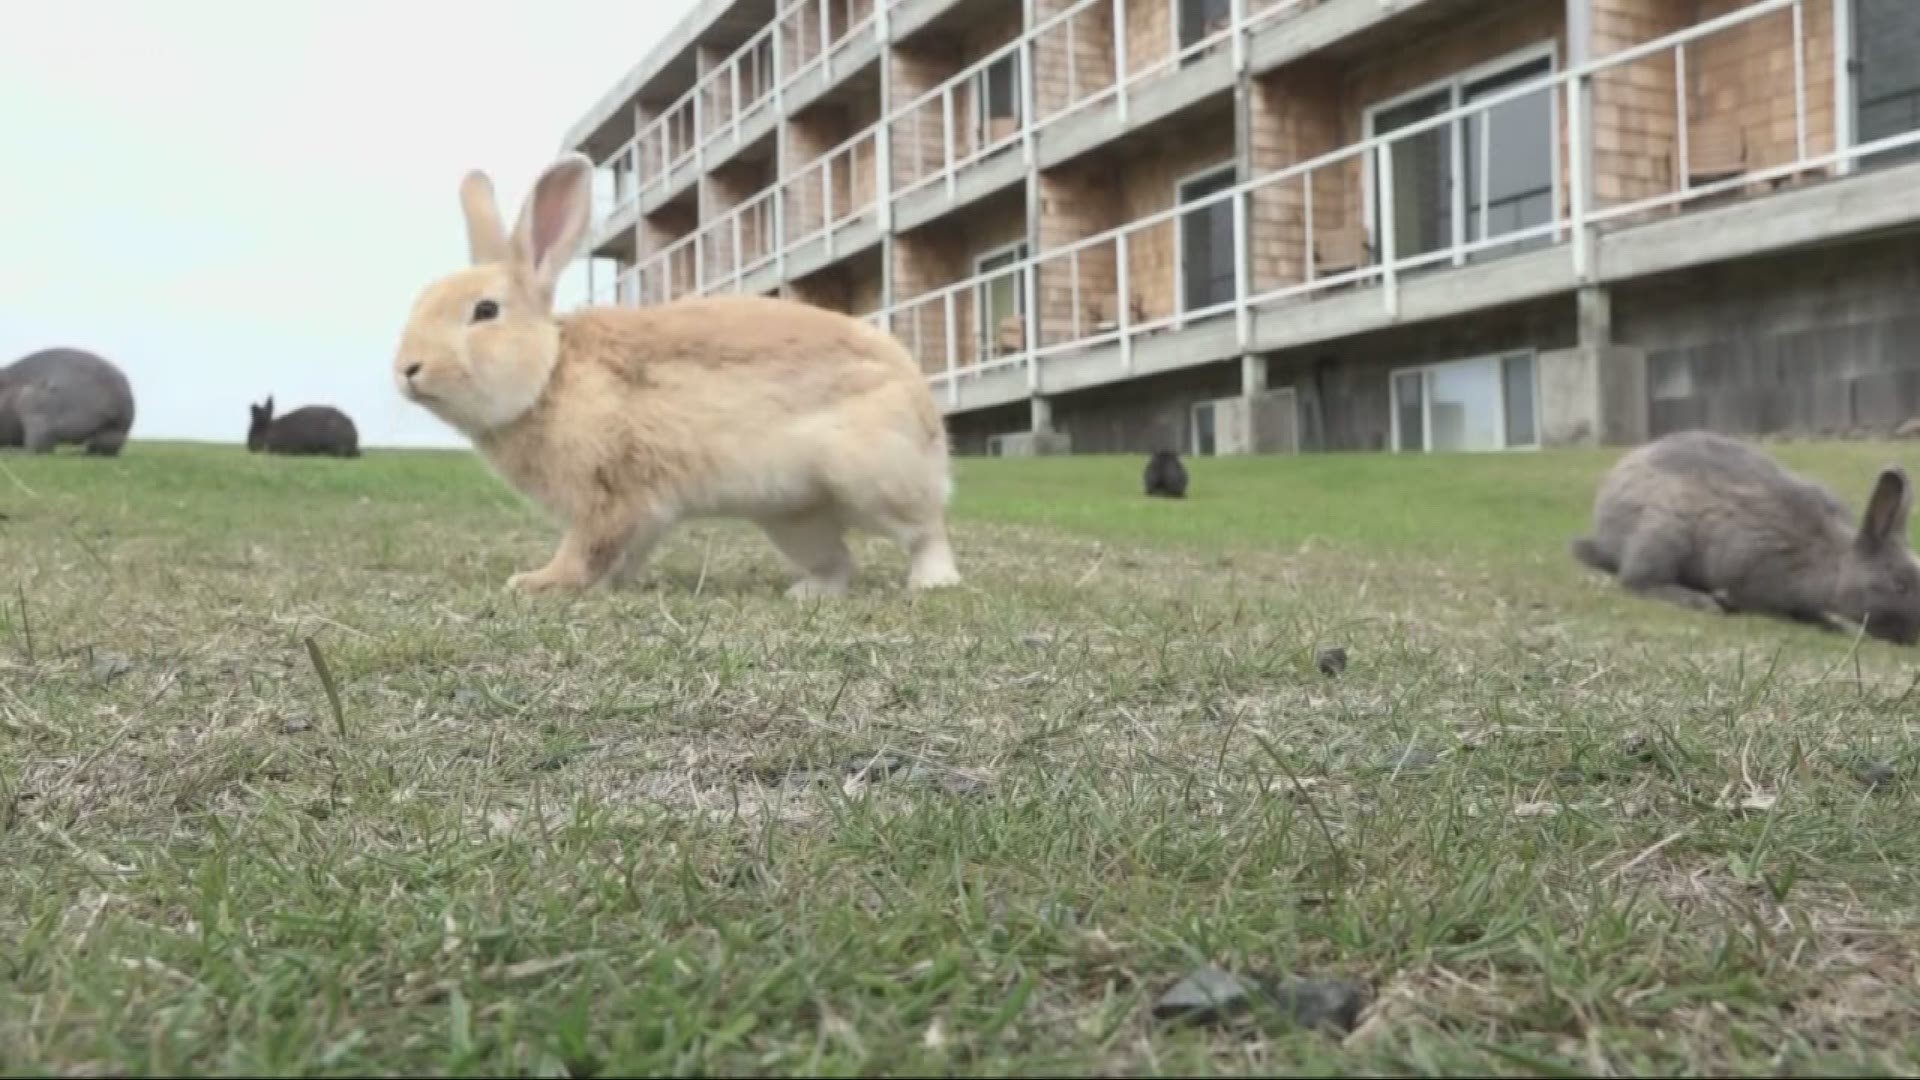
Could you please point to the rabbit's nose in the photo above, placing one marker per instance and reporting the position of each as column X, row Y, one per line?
column 412, row 370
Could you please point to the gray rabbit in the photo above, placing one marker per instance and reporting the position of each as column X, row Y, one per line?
column 1712, row 523
column 65, row 396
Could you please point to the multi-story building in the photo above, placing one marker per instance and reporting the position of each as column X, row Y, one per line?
column 1268, row 225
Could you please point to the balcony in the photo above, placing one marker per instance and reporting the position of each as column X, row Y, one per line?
column 1508, row 182
column 808, row 49
column 1381, row 230
column 823, row 42
column 827, row 210
column 953, row 142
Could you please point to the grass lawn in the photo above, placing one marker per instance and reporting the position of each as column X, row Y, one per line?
column 1535, row 826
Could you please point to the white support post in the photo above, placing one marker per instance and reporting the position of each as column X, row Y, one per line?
column 1120, row 60
column 733, row 76
column 1389, row 243
column 1799, row 81
column 1253, row 374
column 946, row 138
column 953, row 341
column 1237, row 22
column 1307, row 257
column 1073, row 62
column 1680, row 112
column 1031, row 324
column 826, row 45
column 780, row 71
column 1073, row 292
column 826, row 203
column 739, row 263
column 1039, row 415
column 699, row 131
column 883, row 179
column 1844, row 132
column 1029, row 80
column 1123, row 274
column 1242, row 314
column 1579, row 164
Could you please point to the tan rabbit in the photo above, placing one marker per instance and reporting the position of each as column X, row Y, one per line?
column 623, row 421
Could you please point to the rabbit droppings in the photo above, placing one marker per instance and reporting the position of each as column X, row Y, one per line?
column 1711, row 523
column 622, row 421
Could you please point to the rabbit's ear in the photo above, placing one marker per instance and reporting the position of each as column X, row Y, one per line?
column 1887, row 509
column 554, row 220
column 486, row 237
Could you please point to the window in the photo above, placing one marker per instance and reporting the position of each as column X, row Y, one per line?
column 997, row 101
column 1206, row 242
column 1198, row 20
column 1479, row 177
column 1886, row 77
column 1481, row 404
column 1000, row 301
column 1509, row 151
column 1204, row 443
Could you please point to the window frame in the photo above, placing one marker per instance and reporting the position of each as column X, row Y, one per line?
column 1454, row 86
column 1180, row 186
column 982, row 114
column 1426, row 402
column 1178, row 8
column 1213, row 427
column 985, row 334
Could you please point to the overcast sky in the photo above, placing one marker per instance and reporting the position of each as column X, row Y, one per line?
column 231, row 198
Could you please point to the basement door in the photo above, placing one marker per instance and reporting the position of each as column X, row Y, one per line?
column 1886, row 74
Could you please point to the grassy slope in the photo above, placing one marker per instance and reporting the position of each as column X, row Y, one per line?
column 556, row 836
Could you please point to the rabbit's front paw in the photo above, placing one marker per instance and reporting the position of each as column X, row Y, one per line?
column 535, row 582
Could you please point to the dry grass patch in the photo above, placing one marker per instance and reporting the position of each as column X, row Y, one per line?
column 696, row 827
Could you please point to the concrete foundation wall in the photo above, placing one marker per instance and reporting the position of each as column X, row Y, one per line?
column 1343, row 386
column 1819, row 342
column 1145, row 414
column 967, row 433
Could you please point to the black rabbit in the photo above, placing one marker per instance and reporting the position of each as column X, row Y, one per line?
column 1166, row 478
column 313, row 429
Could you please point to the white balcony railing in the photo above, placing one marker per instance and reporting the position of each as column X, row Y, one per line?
column 806, row 36
column 1339, row 221
column 817, row 34
column 989, row 107
column 840, row 188
column 1335, row 222
column 975, row 114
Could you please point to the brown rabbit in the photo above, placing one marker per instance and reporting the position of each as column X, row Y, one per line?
column 1711, row 523
column 623, row 421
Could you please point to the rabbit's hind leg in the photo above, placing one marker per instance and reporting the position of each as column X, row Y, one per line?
column 815, row 542
column 1651, row 567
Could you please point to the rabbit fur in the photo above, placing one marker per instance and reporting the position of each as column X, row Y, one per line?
column 621, row 421
column 63, row 395
column 1713, row 524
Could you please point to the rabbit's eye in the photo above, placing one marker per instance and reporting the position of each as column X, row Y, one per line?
column 484, row 310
